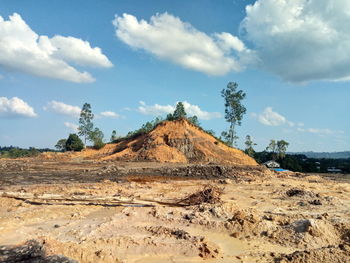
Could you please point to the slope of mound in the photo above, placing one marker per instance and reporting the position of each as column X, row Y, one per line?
column 173, row 141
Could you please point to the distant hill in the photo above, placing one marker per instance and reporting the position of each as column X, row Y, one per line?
column 325, row 155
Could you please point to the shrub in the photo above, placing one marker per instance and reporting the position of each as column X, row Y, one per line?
column 74, row 143
column 98, row 144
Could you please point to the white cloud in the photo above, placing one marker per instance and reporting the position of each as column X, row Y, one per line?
column 78, row 51
column 156, row 109
column 271, row 118
column 21, row 49
column 73, row 127
column 191, row 110
column 320, row 131
column 62, row 108
column 109, row 114
column 301, row 40
column 169, row 38
column 15, row 107
column 195, row 110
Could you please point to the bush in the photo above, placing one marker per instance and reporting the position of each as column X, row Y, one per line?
column 74, row 143
column 98, row 144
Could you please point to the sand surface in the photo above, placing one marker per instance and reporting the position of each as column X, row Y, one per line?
column 267, row 218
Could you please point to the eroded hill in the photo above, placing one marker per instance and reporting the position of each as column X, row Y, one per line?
column 171, row 141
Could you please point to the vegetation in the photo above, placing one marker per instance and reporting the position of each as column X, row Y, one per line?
column 179, row 112
column 282, row 146
column 272, row 148
column 145, row 128
column 74, row 143
column 194, row 120
column 16, row 152
column 85, row 121
column 96, row 136
column 301, row 163
column 277, row 149
column 249, row 146
column 234, row 111
column 113, row 136
column 61, row 145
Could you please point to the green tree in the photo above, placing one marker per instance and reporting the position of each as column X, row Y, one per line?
column 229, row 137
column 85, row 121
column 179, row 111
column 272, row 148
column 249, row 144
column 96, row 136
column 234, row 110
column 194, row 120
column 211, row 132
column 170, row 117
column 113, row 136
column 61, row 145
column 74, row 143
column 282, row 146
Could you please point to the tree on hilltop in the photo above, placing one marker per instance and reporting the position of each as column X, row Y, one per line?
column 178, row 113
column 113, row 136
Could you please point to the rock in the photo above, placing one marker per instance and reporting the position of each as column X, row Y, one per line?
column 302, row 226
column 32, row 251
column 315, row 202
column 235, row 234
column 295, row 192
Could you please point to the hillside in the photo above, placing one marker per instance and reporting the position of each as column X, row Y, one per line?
column 171, row 141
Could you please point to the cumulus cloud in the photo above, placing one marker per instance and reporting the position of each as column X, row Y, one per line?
column 169, row 38
column 73, row 127
column 301, row 40
column 80, row 52
column 272, row 118
column 15, row 107
column 21, row 49
column 62, row 108
column 191, row 110
column 109, row 114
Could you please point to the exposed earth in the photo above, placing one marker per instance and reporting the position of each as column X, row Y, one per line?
column 99, row 211
column 175, row 194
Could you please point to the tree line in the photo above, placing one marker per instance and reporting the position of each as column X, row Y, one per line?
column 17, row 152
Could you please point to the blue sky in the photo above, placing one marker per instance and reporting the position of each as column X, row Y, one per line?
column 133, row 60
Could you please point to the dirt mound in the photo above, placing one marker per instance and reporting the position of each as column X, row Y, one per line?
column 172, row 141
column 330, row 254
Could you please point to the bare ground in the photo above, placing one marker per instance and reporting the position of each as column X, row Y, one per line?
column 131, row 212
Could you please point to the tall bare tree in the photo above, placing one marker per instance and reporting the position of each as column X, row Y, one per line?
column 234, row 110
column 85, row 121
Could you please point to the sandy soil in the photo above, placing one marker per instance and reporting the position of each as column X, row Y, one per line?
column 133, row 218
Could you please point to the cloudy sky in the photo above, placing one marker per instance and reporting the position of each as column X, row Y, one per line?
column 133, row 60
